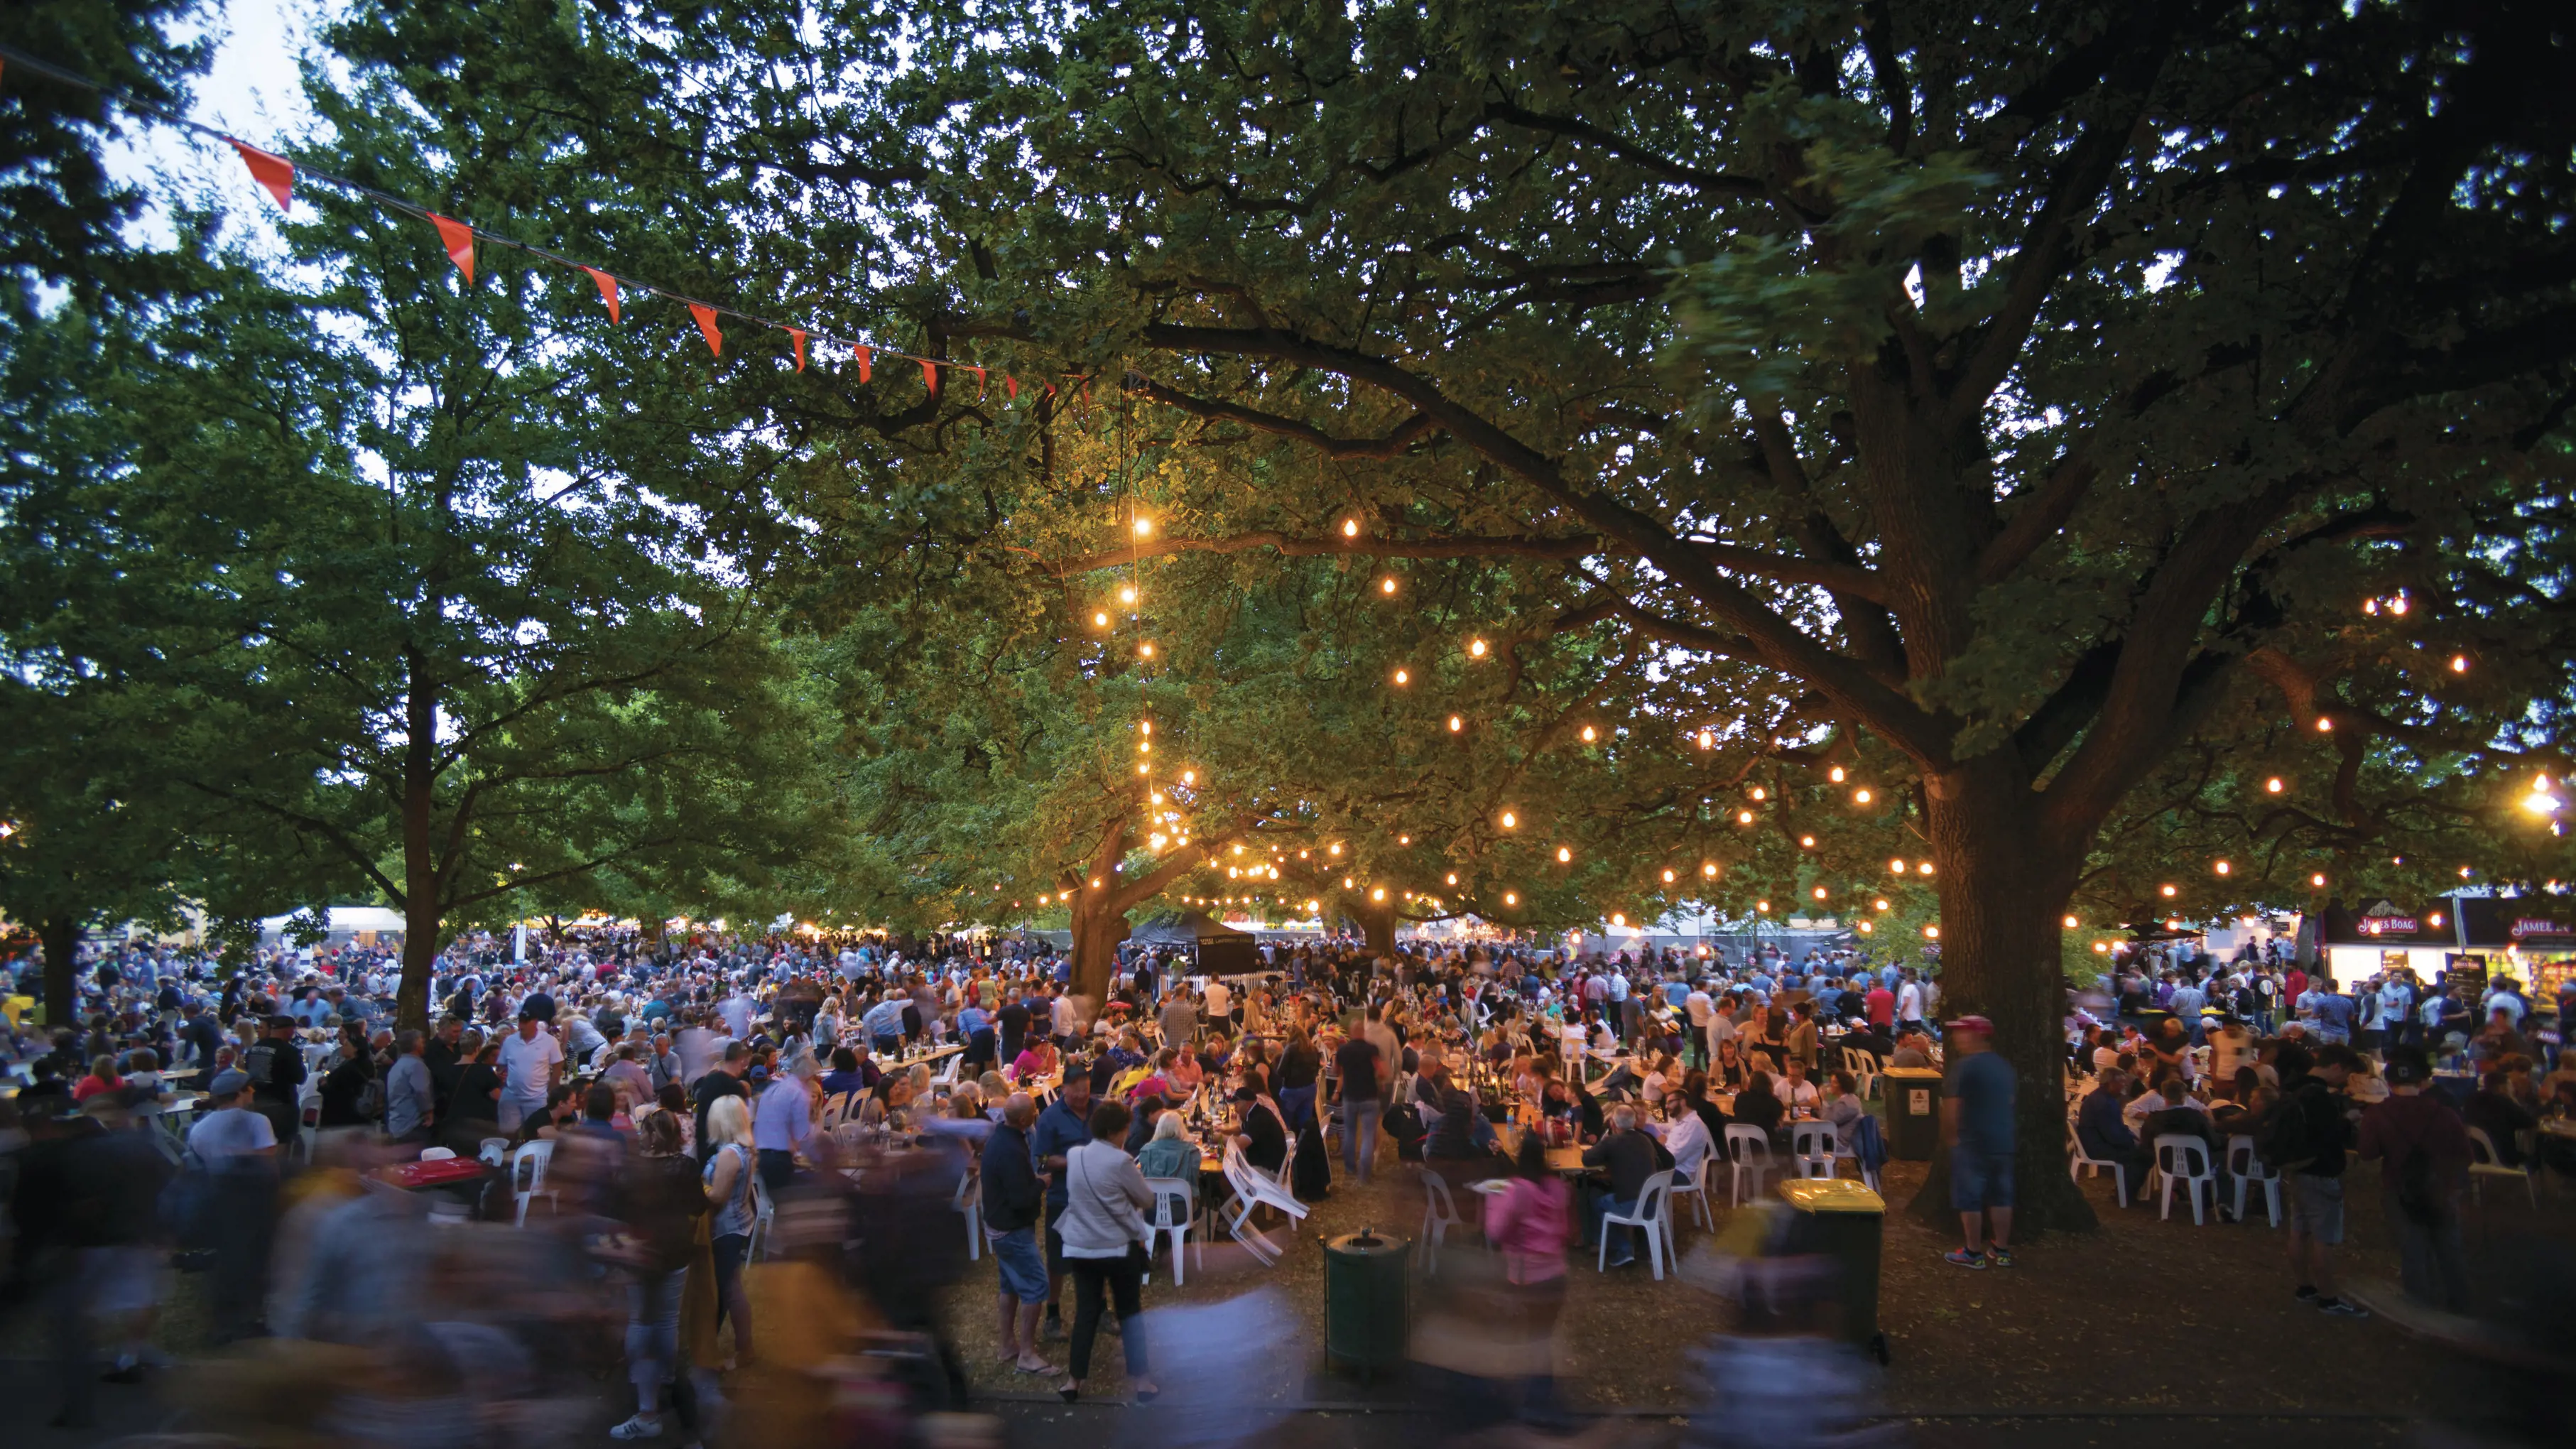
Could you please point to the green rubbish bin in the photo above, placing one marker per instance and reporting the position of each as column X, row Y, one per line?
column 1364, row 1300
column 1843, row 1220
column 1913, row 1112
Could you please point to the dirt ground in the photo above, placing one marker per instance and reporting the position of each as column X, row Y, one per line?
column 2144, row 1315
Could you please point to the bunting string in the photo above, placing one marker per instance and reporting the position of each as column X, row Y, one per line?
column 278, row 174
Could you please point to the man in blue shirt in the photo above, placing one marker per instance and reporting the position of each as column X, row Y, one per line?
column 1062, row 1127
column 1977, row 1123
column 781, row 1120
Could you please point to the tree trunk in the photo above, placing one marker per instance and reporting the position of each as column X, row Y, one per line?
column 2002, row 889
column 1098, row 927
column 60, row 936
column 1377, row 925
column 420, row 906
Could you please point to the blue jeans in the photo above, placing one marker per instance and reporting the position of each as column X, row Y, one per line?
column 1603, row 1206
column 1359, row 1135
column 1297, row 1105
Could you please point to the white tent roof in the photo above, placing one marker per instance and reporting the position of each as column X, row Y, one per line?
column 348, row 918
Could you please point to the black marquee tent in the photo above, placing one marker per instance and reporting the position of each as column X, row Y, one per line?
column 1221, row 949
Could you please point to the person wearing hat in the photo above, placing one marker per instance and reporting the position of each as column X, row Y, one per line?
column 1977, row 1126
column 238, row 1146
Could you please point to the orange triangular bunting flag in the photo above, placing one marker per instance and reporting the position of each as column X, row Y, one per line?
column 607, row 289
column 276, row 174
column 929, row 376
column 800, row 347
column 1011, row 386
column 706, row 316
column 460, row 244
column 863, row 354
column 979, row 384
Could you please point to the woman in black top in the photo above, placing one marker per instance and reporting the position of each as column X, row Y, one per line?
column 345, row 1086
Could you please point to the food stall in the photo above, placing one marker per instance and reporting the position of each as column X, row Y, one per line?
column 2374, row 937
column 2531, row 937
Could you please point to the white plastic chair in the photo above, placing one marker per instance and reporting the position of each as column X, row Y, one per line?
column 438, row 1154
column 764, row 1220
column 1254, row 1189
column 528, row 1176
column 969, row 1203
column 1748, row 1149
column 2250, row 1171
column 1813, row 1144
column 2485, row 1162
column 1690, row 1179
column 2081, row 1164
column 2185, row 1160
column 1653, row 1209
column 493, row 1150
column 1175, row 1207
column 1439, row 1215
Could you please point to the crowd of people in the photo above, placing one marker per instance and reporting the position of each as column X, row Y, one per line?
column 663, row 1115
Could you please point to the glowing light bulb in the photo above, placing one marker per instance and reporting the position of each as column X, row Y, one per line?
column 1868, row 927
column 1879, row 905
column 1835, row 774
column 1451, row 879
column 1590, row 734
column 1476, row 648
column 1708, row 870
column 2324, row 725
column 1378, row 894
column 1759, row 792
column 2102, row 946
column 2274, row 785
column 1932, row 932
column 2397, row 605
column 1350, row 528
column 1127, row 595
column 1762, row 906
column 1337, row 850
column 1100, row 621
column 2317, row 880
column 2222, row 867
column 1923, row 867
column 2459, row 664
column 1564, row 856
column 1386, row 585
column 1146, row 649
column 1189, row 777
column 2070, row 923
column 1511, row 898
column 2170, row 892
column 1401, row 677
column 1707, row 739
column 1743, row 817
column 1820, row 893
column 1896, row 867
column 1144, row 527
column 1668, row 877
column 1456, row 724
column 1860, row 797
column 1510, row 820
column 1618, row 918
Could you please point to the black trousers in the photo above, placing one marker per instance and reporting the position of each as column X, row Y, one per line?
column 1123, row 1278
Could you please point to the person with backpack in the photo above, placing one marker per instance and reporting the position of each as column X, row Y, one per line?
column 2423, row 1151
column 2305, row 1138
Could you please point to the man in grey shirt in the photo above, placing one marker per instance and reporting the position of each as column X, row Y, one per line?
column 408, row 1093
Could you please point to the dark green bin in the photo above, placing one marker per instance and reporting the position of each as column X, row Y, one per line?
column 1913, row 1096
column 1364, row 1300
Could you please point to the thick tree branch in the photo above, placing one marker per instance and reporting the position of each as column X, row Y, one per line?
column 1664, row 167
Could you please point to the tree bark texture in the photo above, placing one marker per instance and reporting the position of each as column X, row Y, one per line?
column 60, row 936
column 2003, row 884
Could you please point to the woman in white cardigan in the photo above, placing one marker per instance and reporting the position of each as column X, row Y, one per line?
column 1103, row 1224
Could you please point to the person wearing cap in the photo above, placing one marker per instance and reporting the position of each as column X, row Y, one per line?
column 238, row 1146
column 1977, row 1126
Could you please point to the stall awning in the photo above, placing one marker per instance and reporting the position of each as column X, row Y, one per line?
column 2534, row 923
column 2385, row 923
